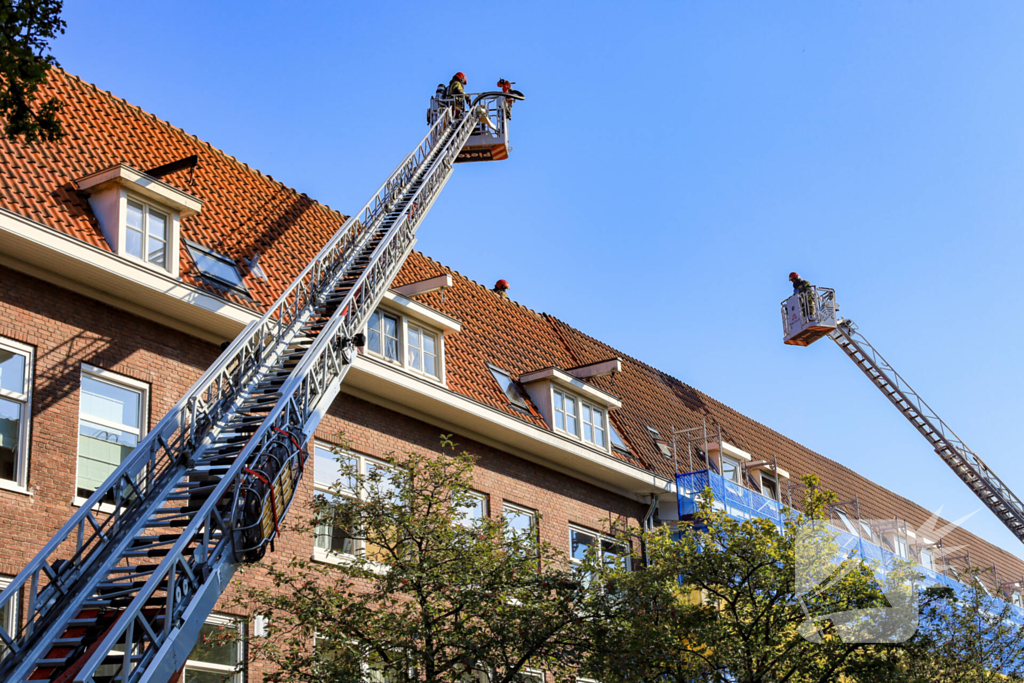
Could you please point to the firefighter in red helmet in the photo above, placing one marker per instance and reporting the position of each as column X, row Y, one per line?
column 457, row 92
column 806, row 292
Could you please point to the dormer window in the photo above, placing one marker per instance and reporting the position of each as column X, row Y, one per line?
column 409, row 335
column 571, row 406
column 140, row 215
column 216, row 267
column 146, row 233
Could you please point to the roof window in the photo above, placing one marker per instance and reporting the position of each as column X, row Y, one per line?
column 508, row 387
column 216, row 266
column 617, row 441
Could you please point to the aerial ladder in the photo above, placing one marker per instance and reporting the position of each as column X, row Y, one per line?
column 119, row 596
column 812, row 314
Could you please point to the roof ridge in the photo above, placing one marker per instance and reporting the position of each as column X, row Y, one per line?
column 203, row 143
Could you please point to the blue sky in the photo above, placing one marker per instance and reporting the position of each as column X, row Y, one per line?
column 672, row 164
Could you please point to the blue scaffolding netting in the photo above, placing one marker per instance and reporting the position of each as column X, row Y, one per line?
column 744, row 504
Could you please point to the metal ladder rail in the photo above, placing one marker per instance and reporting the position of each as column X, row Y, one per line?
column 954, row 452
column 85, row 536
column 303, row 399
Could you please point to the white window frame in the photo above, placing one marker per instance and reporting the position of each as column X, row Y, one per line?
column 20, row 482
column 774, row 480
column 534, row 527
column 593, row 429
column 364, row 462
column 147, row 207
column 235, row 674
column 738, row 468
column 10, row 624
column 536, row 675
column 468, row 522
column 601, row 539
column 404, row 323
column 409, row 326
column 126, row 382
column 565, row 395
column 928, row 552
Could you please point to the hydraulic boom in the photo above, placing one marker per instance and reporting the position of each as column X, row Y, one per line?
column 119, row 594
column 811, row 315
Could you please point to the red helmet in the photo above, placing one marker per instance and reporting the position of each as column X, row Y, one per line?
column 501, row 284
column 461, row 78
column 794, row 276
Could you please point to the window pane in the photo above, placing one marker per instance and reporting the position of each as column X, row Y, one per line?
column 518, row 522
column 414, row 358
column 217, row 267
column 10, row 434
column 100, row 450
column 430, row 364
column 473, row 511
column 210, row 648
column 582, row 543
column 570, row 415
column 109, row 402
column 157, row 225
column 588, row 432
column 12, row 371
column 133, row 233
column 429, row 343
column 373, row 330
column 613, row 554
column 616, row 439
column 327, row 468
column 390, row 326
column 334, row 539
column 730, row 470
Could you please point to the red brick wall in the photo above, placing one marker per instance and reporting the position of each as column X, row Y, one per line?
column 67, row 329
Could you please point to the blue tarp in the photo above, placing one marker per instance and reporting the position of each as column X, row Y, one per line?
column 743, row 504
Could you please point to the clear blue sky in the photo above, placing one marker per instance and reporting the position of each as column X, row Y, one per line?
column 673, row 162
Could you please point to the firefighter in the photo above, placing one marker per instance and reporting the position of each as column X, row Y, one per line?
column 457, row 93
column 506, row 86
column 806, row 292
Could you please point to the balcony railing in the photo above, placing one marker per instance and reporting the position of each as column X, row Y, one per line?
column 743, row 504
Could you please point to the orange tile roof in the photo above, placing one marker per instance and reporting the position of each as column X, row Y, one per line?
column 246, row 212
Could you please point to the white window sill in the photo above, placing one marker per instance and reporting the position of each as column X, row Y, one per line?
column 412, row 372
column 338, row 559
column 106, row 508
column 586, row 444
column 13, row 487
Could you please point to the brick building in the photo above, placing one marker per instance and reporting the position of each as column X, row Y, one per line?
column 116, row 290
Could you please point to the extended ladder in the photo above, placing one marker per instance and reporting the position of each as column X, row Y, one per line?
column 120, row 597
column 953, row 451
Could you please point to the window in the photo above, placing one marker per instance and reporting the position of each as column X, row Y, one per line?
column 593, row 425
column 519, row 521
column 15, row 411
column 565, row 413
column 111, row 415
column 731, row 469
column 332, row 541
column 215, row 658
column 422, row 350
column 477, row 510
column 508, row 387
column 146, row 233
column 607, row 551
column 928, row 558
column 216, row 266
column 8, row 615
column 531, row 676
column 846, row 521
column 617, row 441
column 382, row 335
column 769, row 486
column 902, row 549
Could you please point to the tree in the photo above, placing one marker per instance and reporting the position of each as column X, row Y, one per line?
column 429, row 597
column 965, row 636
column 27, row 28
column 719, row 602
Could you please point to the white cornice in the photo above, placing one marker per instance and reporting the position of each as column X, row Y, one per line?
column 148, row 186
column 563, row 378
column 421, row 312
column 53, row 256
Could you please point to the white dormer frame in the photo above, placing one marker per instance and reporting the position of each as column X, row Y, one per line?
column 109, row 191
column 430, row 320
column 541, row 384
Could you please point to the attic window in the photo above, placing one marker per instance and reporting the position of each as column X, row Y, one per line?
column 617, row 441
column 508, row 387
column 660, row 442
column 216, row 266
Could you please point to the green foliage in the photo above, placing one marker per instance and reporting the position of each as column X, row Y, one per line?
column 429, row 598
column 26, row 27
column 718, row 602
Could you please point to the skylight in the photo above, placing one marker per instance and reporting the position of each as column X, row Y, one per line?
column 216, row 266
column 504, row 381
column 617, row 441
